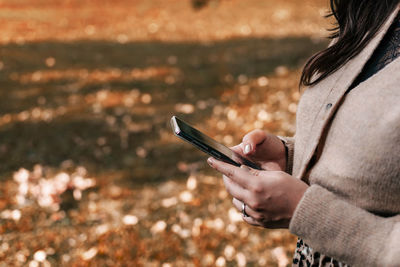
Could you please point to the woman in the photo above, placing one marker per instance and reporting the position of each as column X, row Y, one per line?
column 336, row 184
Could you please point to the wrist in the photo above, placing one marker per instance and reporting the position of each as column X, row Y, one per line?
column 286, row 153
column 288, row 144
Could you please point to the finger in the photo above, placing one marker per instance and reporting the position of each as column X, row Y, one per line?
column 252, row 171
column 239, row 205
column 252, row 221
column 241, row 176
column 252, row 139
column 238, row 149
column 235, row 190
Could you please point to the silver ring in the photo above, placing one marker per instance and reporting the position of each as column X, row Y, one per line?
column 244, row 210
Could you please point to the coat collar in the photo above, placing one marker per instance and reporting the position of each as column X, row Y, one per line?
column 337, row 84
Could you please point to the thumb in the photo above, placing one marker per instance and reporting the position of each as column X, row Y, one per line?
column 251, row 140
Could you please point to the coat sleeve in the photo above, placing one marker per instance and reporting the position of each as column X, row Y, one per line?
column 289, row 145
column 334, row 227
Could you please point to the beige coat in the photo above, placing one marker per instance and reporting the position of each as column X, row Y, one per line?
column 351, row 210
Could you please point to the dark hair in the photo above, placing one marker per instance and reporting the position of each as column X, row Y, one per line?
column 357, row 22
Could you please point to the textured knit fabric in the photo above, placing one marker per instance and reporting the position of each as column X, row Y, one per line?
column 351, row 209
column 387, row 51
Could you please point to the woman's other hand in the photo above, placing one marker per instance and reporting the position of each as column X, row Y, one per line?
column 270, row 197
column 263, row 148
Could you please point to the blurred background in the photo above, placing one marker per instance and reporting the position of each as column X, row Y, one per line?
column 90, row 173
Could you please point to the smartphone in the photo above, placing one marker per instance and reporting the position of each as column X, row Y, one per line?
column 209, row 145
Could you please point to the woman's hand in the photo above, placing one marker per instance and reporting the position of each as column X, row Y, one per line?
column 263, row 148
column 270, row 197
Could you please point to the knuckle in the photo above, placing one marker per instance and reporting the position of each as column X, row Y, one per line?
column 258, row 217
column 254, row 204
column 258, row 131
column 256, row 187
column 257, row 206
column 255, row 172
column 250, row 136
column 258, row 190
column 230, row 173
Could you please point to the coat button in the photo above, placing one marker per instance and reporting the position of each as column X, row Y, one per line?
column 328, row 106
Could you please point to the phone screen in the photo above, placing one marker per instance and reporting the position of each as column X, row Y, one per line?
column 208, row 145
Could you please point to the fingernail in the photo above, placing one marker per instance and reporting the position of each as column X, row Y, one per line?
column 247, row 149
column 210, row 161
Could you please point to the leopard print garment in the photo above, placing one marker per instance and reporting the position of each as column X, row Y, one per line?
column 304, row 256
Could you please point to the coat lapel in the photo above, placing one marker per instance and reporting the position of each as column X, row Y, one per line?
column 337, row 85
